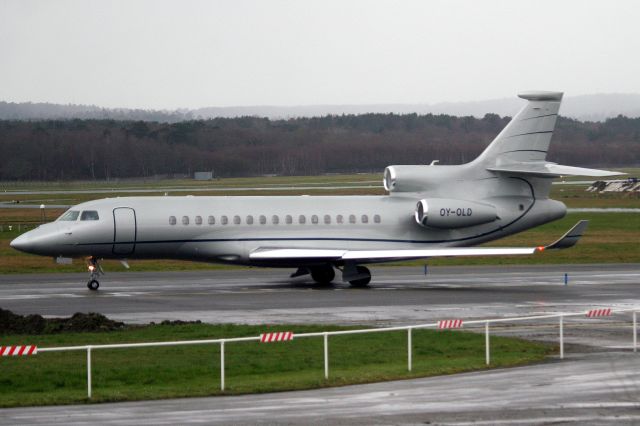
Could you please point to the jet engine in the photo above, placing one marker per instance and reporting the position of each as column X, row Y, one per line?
column 447, row 213
column 408, row 178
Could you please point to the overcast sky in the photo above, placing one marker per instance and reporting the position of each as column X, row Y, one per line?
column 188, row 54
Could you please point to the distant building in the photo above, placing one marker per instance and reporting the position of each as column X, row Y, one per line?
column 203, row 175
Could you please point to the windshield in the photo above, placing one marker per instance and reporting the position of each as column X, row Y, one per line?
column 70, row 215
column 89, row 215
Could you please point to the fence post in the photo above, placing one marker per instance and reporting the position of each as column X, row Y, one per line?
column 89, row 372
column 221, row 365
column 486, row 342
column 409, row 350
column 326, row 355
column 635, row 333
column 561, row 336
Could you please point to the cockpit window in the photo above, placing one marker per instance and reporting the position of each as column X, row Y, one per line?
column 89, row 215
column 70, row 215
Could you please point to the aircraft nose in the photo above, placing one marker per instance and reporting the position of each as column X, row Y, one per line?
column 21, row 243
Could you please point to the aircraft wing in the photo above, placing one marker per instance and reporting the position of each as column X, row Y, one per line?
column 370, row 256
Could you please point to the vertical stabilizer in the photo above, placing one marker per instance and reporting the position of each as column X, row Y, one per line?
column 526, row 138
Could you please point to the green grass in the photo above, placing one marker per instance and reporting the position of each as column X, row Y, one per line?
column 572, row 195
column 251, row 367
column 612, row 237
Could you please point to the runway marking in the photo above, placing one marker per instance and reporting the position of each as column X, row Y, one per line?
column 39, row 296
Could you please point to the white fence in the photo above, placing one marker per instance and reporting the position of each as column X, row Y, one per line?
column 325, row 335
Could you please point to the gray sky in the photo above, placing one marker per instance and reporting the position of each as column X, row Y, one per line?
column 173, row 54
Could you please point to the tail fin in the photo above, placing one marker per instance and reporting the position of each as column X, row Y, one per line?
column 521, row 148
column 526, row 138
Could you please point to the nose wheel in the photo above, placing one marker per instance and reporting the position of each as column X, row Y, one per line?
column 95, row 270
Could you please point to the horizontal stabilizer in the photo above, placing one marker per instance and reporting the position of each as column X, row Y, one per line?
column 545, row 169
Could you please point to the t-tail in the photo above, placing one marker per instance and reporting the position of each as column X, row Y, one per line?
column 522, row 146
column 520, row 150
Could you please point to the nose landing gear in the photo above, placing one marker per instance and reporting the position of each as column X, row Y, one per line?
column 95, row 270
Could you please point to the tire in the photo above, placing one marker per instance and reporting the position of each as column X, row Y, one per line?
column 93, row 285
column 361, row 282
column 323, row 275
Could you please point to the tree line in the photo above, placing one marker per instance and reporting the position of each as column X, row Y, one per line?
column 251, row 146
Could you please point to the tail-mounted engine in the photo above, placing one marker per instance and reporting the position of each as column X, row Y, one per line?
column 409, row 178
column 446, row 213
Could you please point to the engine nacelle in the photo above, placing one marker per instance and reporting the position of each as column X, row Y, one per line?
column 408, row 178
column 447, row 213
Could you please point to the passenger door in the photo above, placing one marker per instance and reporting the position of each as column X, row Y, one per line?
column 124, row 231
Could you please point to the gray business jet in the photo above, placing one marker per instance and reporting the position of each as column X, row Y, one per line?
column 430, row 211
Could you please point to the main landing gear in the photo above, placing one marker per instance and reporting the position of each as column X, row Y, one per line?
column 95, row 270
column 364, row 277
column 356, row 276
column 323, row 275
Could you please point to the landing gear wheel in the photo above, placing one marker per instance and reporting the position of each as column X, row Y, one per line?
column 93, row 285
column 94, row 272
column 361, row 282
column 323, row 274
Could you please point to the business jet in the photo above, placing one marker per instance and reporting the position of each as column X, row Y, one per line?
column 430, row 211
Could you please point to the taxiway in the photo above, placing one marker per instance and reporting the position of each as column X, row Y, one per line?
column 398, row 295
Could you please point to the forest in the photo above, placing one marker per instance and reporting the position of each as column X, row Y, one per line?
column 50, row 150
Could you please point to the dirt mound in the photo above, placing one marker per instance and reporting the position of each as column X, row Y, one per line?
column 11, row 323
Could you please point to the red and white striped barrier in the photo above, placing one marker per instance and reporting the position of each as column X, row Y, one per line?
column 18, row 350
column 454, row 323
column 279, row 336
column 599, row 313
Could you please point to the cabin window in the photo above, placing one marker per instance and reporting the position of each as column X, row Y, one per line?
column 364, row 218
column 172, row 220
column 212, row 220
column 198, row 220
column 339, row 219
column 327, row 219
column 236, row 220
column 89, row 215
column 288, row 219
column 521, row 207
column 224, row 220
column 70, row 215
column 302, row 219
column 376, row 218
column 249, row 220
column 185, row 220
column 275, row 219
column 314, row 219
column 352, row 218
column 263, row 219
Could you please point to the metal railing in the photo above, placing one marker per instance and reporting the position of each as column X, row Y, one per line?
column 325, row 335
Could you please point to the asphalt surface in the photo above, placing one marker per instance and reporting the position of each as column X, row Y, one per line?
column 396, row 296
column 598, row 382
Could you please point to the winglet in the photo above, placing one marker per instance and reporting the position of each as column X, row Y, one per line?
column 571, row 237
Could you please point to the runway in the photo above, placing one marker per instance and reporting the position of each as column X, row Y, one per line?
column 598, row 382
column 397, row 295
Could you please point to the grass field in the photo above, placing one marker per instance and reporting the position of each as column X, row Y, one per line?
column 612, row 237
column 251, row 367
column 370, row 184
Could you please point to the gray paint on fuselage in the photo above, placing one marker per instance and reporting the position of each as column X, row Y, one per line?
column 233, row 243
